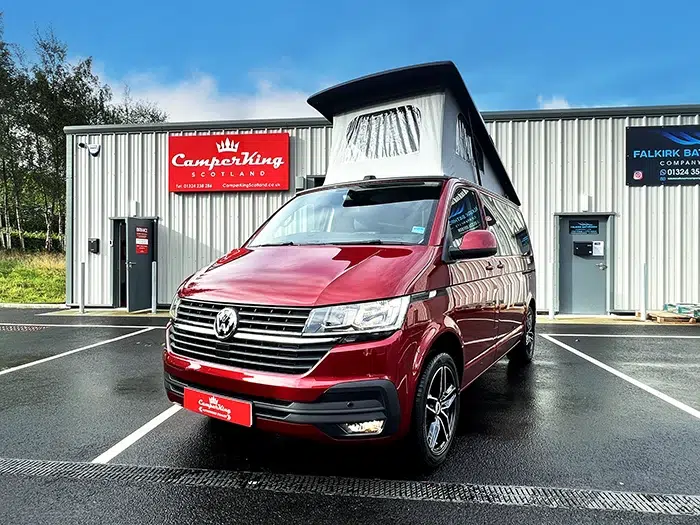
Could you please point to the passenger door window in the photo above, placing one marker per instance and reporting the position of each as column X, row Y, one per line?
column 465, row 216
column 498, row 219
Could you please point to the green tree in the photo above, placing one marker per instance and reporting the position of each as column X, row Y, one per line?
column 37, row 100
column 13, row 83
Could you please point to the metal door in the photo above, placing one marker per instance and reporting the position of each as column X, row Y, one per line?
column 139, row 256
column 583, row 264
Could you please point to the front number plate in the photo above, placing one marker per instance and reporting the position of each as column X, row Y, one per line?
column 219, row 407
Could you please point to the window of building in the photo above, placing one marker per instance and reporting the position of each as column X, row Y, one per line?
column 465, row 216
column 383, row 134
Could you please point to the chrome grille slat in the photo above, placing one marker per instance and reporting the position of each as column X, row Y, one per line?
column 243, row 363
column 208, row 318
column 213, row 311
column 282, row 316
column 300, row 326
column 240, row 343
column 268, row 338
column 243, row 329
column 233, row 354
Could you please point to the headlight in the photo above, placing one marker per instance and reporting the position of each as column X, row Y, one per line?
column 174, row 305
column 377, row 316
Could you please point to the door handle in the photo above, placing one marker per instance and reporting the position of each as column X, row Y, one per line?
column 130, row 264
column 601, row 266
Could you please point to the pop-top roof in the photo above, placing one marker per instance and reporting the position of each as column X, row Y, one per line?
column 409, row 81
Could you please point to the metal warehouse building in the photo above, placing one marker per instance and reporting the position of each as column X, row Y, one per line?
column 612, row 211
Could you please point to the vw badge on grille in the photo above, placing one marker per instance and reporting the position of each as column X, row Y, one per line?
column 226, row 323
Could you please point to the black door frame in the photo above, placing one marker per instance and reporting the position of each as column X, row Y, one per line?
column 116, row 221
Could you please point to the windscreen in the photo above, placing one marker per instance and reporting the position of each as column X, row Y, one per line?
column 381, row 214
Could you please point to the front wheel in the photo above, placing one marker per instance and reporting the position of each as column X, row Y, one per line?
column 436, row 410
column 525, row 349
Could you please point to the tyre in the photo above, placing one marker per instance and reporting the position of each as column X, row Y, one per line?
column 525, row 350
column 435, row 411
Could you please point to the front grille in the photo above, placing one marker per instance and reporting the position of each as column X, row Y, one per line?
column 267, row 339
column 258, row 319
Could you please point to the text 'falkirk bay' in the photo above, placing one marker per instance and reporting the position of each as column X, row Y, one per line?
column 665, row 153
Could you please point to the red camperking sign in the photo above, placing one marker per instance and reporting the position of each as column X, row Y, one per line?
column 231, row 162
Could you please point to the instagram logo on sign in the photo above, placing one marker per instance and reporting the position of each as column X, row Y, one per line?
column 638, row 175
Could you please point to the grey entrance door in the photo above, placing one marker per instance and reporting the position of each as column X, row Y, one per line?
column 139, row 256
column 583, row 264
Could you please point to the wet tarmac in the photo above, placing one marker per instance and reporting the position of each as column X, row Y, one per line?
column 70, row 393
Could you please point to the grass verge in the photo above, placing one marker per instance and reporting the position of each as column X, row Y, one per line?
column 32, row 277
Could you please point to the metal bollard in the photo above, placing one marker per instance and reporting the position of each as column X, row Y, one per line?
column 554, row 287
column 645, row 291
column 82, row 287
column 154, row 287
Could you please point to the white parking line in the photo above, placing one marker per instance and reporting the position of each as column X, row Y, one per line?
column 69, row 352
column 132, row 438
column 640, row 336
column 638, row 384
column 66, row 325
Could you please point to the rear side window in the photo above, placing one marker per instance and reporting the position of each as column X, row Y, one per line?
column 383, row 134
column 466, row 145
column 465, row 215
column 507, row 224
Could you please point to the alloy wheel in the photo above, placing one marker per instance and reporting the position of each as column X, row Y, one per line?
column 530, row 333
column 440, row 409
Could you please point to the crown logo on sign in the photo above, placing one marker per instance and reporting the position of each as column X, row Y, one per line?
column 227, row 145
column 213, row 401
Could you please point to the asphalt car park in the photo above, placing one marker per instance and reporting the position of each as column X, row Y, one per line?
column 604, row 427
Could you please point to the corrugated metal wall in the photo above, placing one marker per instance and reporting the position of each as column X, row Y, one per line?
column 553, row 163
column 193, row 229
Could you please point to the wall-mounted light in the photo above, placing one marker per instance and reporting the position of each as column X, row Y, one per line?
column 93, row 149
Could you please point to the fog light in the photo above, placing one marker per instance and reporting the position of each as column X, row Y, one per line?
column 365, row 427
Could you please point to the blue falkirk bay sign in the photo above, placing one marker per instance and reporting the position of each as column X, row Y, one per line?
column 663, row 155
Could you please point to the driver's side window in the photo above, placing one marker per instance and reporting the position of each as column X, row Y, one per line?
column 464, row 216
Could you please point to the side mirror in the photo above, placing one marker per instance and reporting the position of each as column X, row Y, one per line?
column 476, row 243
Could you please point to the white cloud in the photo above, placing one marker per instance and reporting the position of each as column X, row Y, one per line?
column 200, row 98
column 555, row 102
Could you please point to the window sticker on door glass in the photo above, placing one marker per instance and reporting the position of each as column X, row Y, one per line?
column 523, row 238
column 464, row 217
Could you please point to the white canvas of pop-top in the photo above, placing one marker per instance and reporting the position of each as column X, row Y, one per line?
column 421, row 135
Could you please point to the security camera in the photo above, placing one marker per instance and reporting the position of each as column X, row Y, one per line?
column 93, row 149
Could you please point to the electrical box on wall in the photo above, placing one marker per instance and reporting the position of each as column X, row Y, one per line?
column 582, row 249
column 94, row 245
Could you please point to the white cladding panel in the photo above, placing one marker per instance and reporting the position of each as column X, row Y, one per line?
column 567, row 165
column 193, row 228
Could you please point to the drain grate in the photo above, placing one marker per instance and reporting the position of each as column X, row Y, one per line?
column 558, row 498
column 21, row 328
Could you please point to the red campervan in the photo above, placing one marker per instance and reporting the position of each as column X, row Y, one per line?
column 358, row 311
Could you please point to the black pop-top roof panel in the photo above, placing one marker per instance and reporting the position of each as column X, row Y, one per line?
column 404, row 82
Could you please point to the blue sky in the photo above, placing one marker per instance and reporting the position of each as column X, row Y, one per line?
column 241, row 59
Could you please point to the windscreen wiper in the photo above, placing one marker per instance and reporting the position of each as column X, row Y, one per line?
column 370, row 241
column 288, row 243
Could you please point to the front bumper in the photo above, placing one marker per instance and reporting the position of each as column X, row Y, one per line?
column 349, row 402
